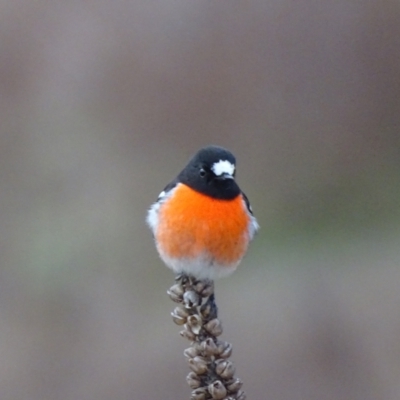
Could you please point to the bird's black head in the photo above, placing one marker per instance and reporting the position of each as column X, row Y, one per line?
column 212, row 171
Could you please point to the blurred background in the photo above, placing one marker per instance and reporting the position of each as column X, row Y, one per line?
column 103, row 102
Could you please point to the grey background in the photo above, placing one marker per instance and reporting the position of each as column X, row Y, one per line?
column 103, row 102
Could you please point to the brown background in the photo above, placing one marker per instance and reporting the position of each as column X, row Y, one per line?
column 103, row 102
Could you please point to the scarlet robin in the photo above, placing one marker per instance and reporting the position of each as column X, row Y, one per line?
column 202, row 222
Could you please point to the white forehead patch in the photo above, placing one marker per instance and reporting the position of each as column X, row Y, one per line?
column 223, row 167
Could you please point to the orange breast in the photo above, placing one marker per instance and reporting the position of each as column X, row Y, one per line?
column 191, row 224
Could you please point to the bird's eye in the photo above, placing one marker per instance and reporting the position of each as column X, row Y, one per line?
column 202, row 172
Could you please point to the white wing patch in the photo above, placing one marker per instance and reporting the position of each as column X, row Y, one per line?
column 223, row 167
column 152, row 215
column 161, row 195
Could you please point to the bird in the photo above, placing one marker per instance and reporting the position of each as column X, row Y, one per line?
column 202, row 222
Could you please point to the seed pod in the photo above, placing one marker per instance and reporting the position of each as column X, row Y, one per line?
column 217, row 390
column 179, row 315
column 193, row 380
column 208, row 347
column 214, row 327
column 191, row 299
column 190, row 352
column 224, row 349
column 194, row 323
column 199, row 394
column 234, row 385
column 187, row 334
column 224, row 369
column 175, row 292
column 183, row 278
column 204, row 287
column 198, row 365
column 241, row 395
column 208, row 289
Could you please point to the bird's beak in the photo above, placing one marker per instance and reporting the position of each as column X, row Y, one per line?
column 226, row 176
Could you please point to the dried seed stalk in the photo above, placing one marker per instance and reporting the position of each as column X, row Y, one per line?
column 212, row 374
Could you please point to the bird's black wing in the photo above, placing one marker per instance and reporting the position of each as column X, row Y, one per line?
column 167, row 189
column 248, row 205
